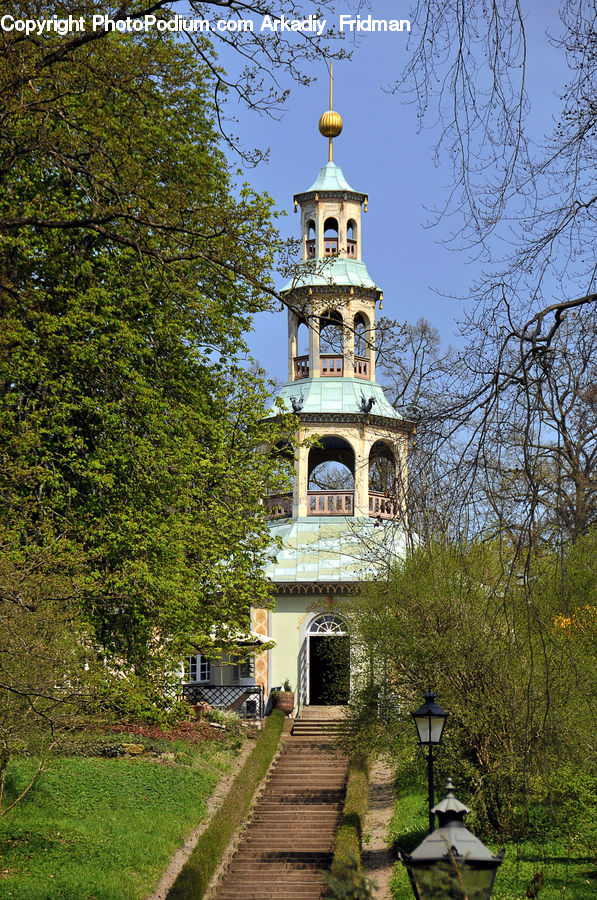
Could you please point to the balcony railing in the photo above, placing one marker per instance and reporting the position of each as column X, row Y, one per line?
column 331, row 364
column 279, row 506
column 382, row 507
column 333, row 503
column 330, row 503
column 331, row 247
column 301, row 367
column 361, row 367
column 246, row 700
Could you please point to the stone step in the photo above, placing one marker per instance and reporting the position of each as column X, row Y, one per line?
column 287, row 845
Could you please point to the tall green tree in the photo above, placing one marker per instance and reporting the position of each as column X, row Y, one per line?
column 130, row 267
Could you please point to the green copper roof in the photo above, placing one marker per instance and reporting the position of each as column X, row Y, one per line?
column 331, row 270
column 331, row 178
column 343, row 548
column 336, row 395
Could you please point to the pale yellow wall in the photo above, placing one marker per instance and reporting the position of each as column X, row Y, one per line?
column 286, row 622
column 289, row 625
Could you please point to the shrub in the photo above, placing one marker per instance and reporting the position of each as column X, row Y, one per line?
column 347, row 882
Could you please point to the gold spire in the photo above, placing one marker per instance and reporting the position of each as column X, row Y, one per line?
column 330, row 124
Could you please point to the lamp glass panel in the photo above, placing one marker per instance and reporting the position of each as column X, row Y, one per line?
column 447, row 881
column 430, row 729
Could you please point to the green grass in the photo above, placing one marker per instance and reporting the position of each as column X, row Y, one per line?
column 201, row 865
column 104, row 829
column 567, row 871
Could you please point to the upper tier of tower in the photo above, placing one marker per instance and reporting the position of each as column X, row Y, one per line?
column 331, row 292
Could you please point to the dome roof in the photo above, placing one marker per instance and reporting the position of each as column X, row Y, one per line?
column 330, row 270
column 331, row 178
column 332, row 394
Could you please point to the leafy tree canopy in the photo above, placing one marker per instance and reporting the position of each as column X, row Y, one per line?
column 130, row 266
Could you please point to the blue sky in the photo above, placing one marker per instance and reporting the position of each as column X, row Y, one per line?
column 382, row 153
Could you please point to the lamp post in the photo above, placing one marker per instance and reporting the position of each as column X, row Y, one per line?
column 451, row 862
column 430, row 720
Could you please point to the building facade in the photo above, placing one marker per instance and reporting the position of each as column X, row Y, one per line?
column 345, row 519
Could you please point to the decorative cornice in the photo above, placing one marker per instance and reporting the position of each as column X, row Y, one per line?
column 398, row 425
column 339, row 194
column 323, row 290
column 315, row 587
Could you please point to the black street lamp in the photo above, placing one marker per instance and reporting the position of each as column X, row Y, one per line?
column 451, row 862
column 430, row 720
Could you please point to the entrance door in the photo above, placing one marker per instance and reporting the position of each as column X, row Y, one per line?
column 329, row 662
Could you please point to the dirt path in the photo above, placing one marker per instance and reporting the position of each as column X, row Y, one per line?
column 377, row 859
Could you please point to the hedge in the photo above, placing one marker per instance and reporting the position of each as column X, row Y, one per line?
column 346, row 881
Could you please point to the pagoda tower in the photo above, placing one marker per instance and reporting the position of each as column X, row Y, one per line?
column 345, row 519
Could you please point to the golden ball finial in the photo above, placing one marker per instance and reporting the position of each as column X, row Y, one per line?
column 330, row 124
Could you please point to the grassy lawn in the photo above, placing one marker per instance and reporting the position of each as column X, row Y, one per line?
column 567, row 873
column 97, row 828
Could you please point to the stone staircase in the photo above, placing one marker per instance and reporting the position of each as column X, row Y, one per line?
column 288, row 843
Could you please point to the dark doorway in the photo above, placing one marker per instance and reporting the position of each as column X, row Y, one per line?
column 329, row 669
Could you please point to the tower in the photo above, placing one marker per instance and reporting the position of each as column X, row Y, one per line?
column 346, row 516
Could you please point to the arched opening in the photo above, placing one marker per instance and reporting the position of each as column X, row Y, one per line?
column 351, row 238
column 331, row 343
column 310, row 239
column 329, row 661
column 301, row 360
column 330, row 237
column 302, row 337
column 382, row 481
column 330, row 488
column 362, row 349
column 279, row 506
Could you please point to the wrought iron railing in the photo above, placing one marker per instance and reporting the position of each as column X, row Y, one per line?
column 246, row 700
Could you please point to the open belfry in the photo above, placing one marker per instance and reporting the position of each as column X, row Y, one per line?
column 345, row 519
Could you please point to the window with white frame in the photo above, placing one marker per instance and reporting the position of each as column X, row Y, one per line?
column 197, row 668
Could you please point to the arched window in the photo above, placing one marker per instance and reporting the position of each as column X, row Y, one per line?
column 328, row 624
column 351, row 238
column 330, row 237
column 310, row 237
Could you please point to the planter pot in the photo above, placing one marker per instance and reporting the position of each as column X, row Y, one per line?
column 284, row 701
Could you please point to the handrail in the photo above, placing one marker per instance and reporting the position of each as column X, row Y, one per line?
column 381, row 506
column 330, row 503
